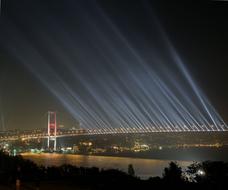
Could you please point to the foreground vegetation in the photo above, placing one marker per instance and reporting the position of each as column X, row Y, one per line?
column 205, row 175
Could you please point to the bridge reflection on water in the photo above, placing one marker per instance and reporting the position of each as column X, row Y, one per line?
column 144, row 168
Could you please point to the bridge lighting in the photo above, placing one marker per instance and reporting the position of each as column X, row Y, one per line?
column 52, row 129
column 122, row 94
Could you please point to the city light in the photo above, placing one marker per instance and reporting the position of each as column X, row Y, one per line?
column 201, row 172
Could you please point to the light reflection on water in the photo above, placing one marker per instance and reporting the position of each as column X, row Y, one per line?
column 143, row 167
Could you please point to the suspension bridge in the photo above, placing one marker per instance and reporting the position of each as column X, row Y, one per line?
column 53, row 133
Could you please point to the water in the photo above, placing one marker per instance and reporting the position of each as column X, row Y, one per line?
column 144, row 168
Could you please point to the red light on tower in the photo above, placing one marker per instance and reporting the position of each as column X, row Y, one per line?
column 52, row 129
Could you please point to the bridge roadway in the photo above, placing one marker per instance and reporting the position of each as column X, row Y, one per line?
column 69, row 133
column 59, row 134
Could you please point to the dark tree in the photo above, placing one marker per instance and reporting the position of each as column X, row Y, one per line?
column 173, row 173
column 211, row 174
column 131, row 170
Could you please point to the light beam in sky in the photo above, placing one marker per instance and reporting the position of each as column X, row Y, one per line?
column 105, row 82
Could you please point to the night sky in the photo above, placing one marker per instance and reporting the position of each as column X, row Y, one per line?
column 94, row 61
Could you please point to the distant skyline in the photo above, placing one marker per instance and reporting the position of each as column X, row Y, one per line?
column 94, row 61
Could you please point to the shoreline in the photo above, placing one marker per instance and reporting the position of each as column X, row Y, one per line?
column 187, row 154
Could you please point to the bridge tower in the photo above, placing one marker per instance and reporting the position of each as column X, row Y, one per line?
column 52, row 129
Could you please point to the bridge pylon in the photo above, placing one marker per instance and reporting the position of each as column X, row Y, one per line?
column 52, row 129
